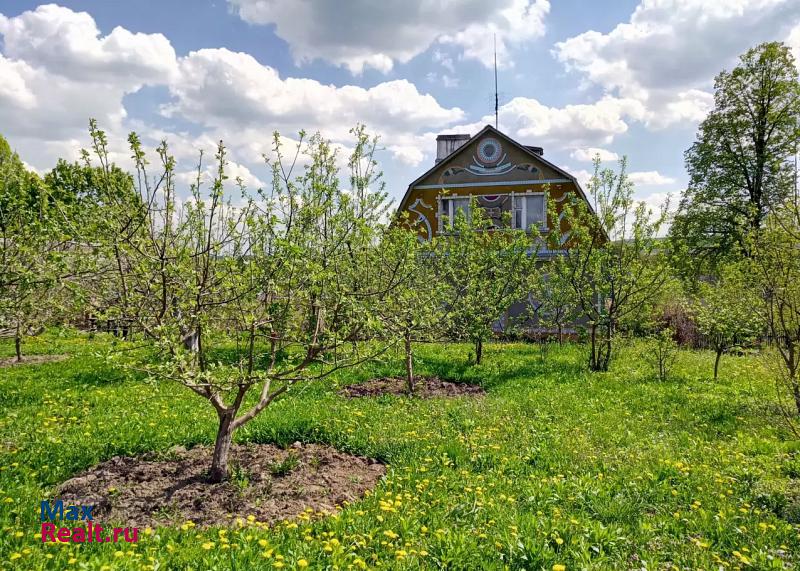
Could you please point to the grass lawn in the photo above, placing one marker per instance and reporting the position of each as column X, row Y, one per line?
column 554, row 466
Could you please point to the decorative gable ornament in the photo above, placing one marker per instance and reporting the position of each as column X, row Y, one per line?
column 490, row 159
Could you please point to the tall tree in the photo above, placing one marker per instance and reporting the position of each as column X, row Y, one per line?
column 739, row 166
column 103, row 207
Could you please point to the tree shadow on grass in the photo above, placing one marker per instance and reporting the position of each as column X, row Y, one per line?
column 502, row 364
column 105, row 376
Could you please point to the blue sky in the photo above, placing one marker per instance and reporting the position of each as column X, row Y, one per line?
column 620, row 77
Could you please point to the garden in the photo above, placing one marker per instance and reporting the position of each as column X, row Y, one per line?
column 552, row 466
column 199, row 375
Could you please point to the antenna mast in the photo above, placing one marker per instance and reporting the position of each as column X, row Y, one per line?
column 495, row 84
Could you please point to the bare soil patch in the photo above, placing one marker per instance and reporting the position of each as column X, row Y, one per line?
column 31, row 360
column 266, row 482
column 424, row 387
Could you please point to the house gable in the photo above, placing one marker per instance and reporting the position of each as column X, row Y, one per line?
column 496, row 170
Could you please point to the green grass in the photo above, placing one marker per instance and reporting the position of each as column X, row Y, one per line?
column 555, row 466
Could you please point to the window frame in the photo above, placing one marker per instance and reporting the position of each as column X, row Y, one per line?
column 519, row 203
column 447, row 208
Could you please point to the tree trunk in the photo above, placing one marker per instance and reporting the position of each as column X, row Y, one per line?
column 191, row 341
column 607, row 357
column 560, row 334
column 409, row 365
column 222, row 447
column 593, row 365
column 18, row 344
column 478, row 351
column 716, row 363
column 796, row 392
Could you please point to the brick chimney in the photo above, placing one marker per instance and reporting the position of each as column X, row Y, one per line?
column 446, row 144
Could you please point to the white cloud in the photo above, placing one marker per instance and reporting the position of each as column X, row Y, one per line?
column 520, row 22
column 233, row 171
column 650, row 178
column 532, row 122
column 588, row 154
column 69, row 44
column 363, row 34
column 584, row 177
column 668, row 53
column 794, row 42
column 58, row 71
column 228, row 90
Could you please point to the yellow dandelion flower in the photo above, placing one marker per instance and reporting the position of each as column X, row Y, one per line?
column 208, row 545
column 302, row 563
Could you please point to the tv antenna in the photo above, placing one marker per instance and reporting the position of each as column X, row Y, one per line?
column 496, row 99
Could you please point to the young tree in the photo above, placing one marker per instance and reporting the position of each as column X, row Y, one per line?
column 661, row 352
column 613, row 261
column 740, row 165
column 552, row 303
column 280, row 276
column 778, row 265
column 103, row 208
column 34, row 245
column 486, row 270
column 413, row 308
column 727, row 311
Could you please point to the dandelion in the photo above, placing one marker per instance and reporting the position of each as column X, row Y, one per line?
column 302, row 563
column 559, row 567
column 208, row 545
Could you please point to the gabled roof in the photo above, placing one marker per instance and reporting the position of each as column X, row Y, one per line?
column 525, row 149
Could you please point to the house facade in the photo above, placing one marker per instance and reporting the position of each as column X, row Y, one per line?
column 508, row 180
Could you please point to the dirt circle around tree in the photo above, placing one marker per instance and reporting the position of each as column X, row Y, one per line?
column 267, row 483
column 424, row 387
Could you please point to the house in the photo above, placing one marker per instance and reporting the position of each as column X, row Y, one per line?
column 507, row 179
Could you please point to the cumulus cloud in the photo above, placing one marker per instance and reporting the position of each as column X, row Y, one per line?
column 69, row 44
column 588, row 154
column 58, row 70
column 667, row 54
column 650, row 178
column 224, row 89
column 520, row 22
column 794, row 42
column 367, row 34
column 568, row 127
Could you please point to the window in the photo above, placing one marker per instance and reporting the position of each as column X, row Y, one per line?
column 452, row 205
column 530, row 210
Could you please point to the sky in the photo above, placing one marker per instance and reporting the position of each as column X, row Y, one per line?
column 618, row 78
